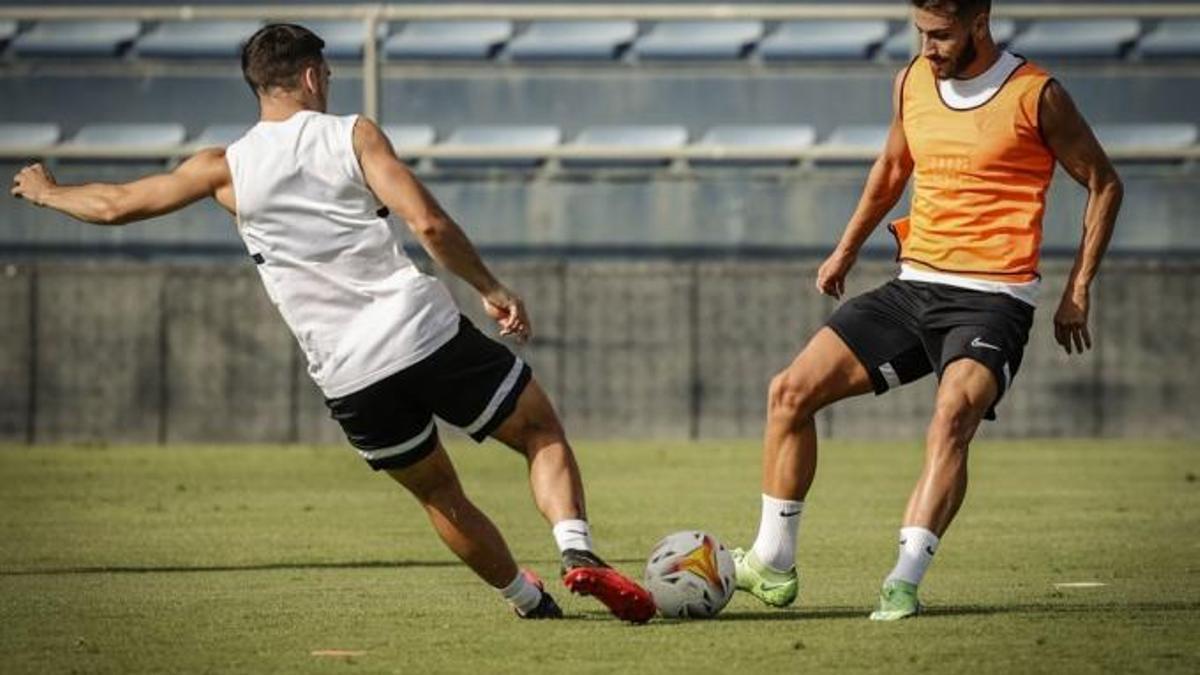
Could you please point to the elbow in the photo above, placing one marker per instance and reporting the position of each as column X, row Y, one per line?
column 109, row 212
column 429, row 229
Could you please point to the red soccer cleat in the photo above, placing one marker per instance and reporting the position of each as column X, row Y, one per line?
column 586, row 574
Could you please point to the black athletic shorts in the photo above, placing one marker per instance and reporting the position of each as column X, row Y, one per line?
column 904, row 330
column 472, row 382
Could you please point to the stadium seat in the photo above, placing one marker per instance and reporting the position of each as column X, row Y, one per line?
column 8, row 29
column 1081, row 39
column 132, row 135
column 687, row 40
column 76, row 38
column 795, row 40
column 751, row 138
column 1171, row 39
column 220, row 135
column 537, row 137
column 901, row 45
column 642, row 138
column 28, row 135
column 573, row 40
column 860, row 142
column 436, row 40
column 1155, row 137
column 196, row 39
column 408, row 137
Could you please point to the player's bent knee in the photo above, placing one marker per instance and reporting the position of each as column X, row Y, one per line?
column 792, row 396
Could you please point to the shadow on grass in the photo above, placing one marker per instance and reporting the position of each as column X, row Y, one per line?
column 259, row 567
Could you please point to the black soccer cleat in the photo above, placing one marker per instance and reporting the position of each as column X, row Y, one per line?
column 574, row 557
column 546, row 608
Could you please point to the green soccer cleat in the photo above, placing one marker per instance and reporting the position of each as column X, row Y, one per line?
column 775, row 588
column 897, row 600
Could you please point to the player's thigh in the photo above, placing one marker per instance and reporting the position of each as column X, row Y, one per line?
column 431, row 478
column 966, row 392
column 475, row 383
column 533, row 418
column 877, row 331
column 388, row 426
column 825, row 371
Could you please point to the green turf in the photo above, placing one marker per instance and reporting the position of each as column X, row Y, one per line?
column 190, row 560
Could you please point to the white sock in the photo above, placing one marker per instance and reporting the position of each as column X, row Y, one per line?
column 572, row 534
column 917, row 546
column 521, row 594
column 775, row 545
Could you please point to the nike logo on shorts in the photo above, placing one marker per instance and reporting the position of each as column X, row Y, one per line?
column 977, row 343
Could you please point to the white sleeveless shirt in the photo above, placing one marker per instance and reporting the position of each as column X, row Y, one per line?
column 336, row 270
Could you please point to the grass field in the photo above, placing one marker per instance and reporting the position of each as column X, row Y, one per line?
column 250, row 559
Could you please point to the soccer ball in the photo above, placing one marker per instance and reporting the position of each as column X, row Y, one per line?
column 690, row 575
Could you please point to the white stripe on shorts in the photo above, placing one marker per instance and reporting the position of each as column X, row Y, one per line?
column 406, row 446
column 889, row 375
column 506, row 386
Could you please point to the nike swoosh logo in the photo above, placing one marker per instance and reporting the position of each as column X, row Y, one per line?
column 929, row 550
column 980, row 344
column 582, row 534
column 789, row 514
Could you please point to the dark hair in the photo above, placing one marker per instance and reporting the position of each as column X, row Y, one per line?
column 277, row 54
column 962, row 9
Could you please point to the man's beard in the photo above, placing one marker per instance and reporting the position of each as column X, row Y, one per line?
column 965, row 59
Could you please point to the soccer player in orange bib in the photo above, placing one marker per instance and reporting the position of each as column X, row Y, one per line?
column 980, row 130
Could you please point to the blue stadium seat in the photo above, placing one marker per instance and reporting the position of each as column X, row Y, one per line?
column 76, row 38
column 901, row 45
column 133, row 135
column 1171, row 39
column 687, row 40
column 196, row 39
column 436, row 40
column 28, row 135
column 649, row 138
column 343, row 39
column 1160, row 137
column 751, row 138
column 1077, row 39
column 796, row 40
column 857, row 139
column 408, row 137
column 537, row 137
column 220, row 135
column 573, row 40
column 8, row 29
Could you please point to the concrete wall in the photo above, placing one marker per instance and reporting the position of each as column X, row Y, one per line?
column 678, row 349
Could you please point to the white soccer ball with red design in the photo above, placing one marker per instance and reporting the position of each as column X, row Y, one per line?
column 690, row 574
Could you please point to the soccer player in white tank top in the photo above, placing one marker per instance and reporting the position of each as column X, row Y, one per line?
column 384, row 342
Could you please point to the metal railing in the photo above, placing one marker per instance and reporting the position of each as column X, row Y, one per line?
column 372, row 15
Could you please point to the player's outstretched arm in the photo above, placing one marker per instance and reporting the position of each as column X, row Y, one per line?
column 1080, row 154
column 206, row 174
column 404, row 195
column 885, row 185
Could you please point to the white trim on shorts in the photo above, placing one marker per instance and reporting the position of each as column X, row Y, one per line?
column 502, row 392
column 406, row 446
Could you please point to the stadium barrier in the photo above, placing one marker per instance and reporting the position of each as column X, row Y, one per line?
column 140, row 353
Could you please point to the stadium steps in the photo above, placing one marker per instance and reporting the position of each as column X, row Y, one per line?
column 755, row 145
column 642, row 139
column 19, row 135
column 1077, row 39
column 1171, row 39
column 901, row 45
column 504, row 138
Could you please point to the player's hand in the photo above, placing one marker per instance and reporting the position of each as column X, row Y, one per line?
column 831, row 277
column 1071, row 319
column 31, row 183
column 508, row 310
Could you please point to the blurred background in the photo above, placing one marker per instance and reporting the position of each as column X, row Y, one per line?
column 660, row 181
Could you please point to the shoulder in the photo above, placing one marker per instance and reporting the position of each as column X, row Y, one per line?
column 210, row 164
column 367, row 134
